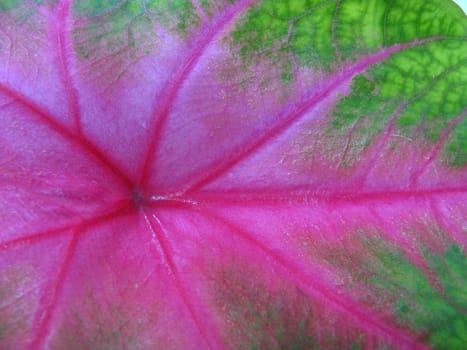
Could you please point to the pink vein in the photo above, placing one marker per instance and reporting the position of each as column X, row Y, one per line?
column 24, row 239
column 121, row 209
column 199, row 10
column 271, row 197
column 391, row 124
column 160, row 236
column 61, row 29
column 355, row 311
column 81, row 142
column 173, row 86
column 436, row 149
column 383, row 141
column 347, row 144
column 289, row 118
column 402, row 240
column 43, row 330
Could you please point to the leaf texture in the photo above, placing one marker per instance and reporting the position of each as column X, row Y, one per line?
column 233, row 174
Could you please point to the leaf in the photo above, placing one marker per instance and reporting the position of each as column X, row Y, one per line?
column 233, row 174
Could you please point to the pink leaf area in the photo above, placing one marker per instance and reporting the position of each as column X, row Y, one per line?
column 233, row 174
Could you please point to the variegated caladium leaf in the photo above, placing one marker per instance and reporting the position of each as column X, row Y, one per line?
column 233, row 174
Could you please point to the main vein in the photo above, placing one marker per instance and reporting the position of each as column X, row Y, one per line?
column 290, row 117
column 315, row 290
column 182, row 71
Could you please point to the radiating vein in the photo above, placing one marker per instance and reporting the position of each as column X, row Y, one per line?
column 289, row 118
column 160, row 238
column 274, row 197
column 44, row 318
column 401, row 239
column 60, row 28
column 334, row 40
column 37, row 236
column 199, row 11
column 391, row 124
column 381, row 144
column 177, row 79
column 353, row 310
column 436, row 150
column 50, row 121
column 78, row 223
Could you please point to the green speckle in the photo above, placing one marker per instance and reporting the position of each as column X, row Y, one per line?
column 402, row 307
column 115, row 26
column 280, row 29
column 262, row 315
column 95, row 7
column 356, row 346
column 15, row 310
column 9, row 4
column 286, row 72
column 109, row 328
column 456, row 146
column 179, row 16
column 23, row 12
column 83, row 52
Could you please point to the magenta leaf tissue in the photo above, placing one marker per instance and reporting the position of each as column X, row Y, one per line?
column 233, row 174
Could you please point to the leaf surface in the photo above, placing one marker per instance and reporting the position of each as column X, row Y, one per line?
column 233, row 174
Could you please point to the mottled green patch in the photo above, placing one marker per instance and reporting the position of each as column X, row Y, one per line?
column 125, row 31
column 95, row 7
column 286, row 72
column 25, row 6
column 210, row 7
column 268, row 315
column 422, row 89
column 103, row 325
column 359, row 26
column 22, row 12
column 405, row 20
column 15, row 306
column 456, row 147
column 9, row 4
column 286, row 31
column 268, row 321
column 442, row 311
column 369, row 25
column 179, row 15
column 102, row 336
column 427, row 83
column 318, row 33
column 129, row 28
column 436, row 308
